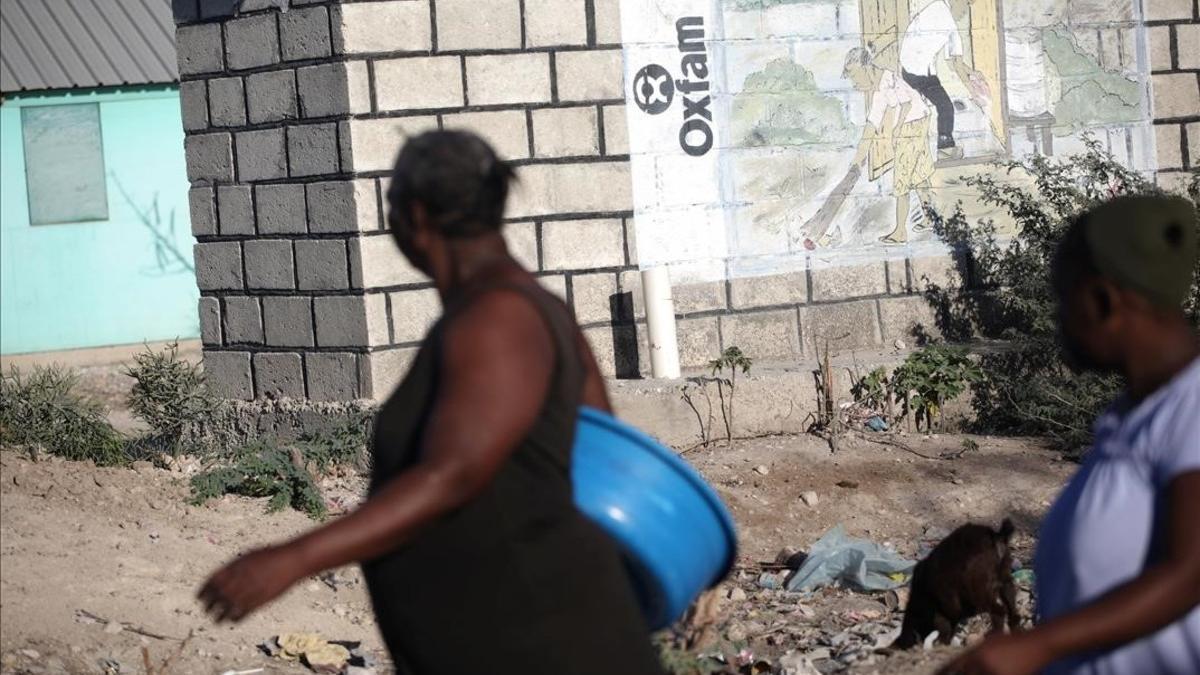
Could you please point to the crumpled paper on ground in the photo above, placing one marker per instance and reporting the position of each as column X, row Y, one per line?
column 858, row 564
column 316, row 652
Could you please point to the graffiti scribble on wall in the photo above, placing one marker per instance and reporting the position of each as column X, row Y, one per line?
column 768, row 131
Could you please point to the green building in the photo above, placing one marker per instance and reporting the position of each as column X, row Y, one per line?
column 95, row 240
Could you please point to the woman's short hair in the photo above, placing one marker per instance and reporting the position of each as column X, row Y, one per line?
column 457, row 177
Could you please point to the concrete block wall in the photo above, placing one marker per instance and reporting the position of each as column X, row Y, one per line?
column 1173, row 27
column 294, row 117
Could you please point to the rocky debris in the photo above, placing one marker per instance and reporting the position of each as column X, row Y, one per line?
column 809, row 498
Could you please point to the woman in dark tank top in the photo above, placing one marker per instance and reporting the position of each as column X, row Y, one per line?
column 475, row 556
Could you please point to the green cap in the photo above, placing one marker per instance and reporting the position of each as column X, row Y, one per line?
column 1146, row 243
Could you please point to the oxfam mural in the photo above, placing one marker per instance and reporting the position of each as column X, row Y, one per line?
column 768, row 134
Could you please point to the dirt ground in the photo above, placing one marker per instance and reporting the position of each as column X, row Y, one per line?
column 96, row 560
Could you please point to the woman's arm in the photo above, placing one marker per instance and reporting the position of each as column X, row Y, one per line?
column 494, row 376
column 1160, row 596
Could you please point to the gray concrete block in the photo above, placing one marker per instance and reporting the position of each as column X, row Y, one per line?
column 272, row 96
column 305, row 34
column 505, row 130
column 227, row 101
column 220, row 9
column 342, row 206
column 243, row 320
column 252, row 42
column 228, row 374
column 185, row 11
column 583, row 244
column 210, row 320
column 236, row 209
column 764, row 337
column 905, row 317
column 362, row 28
column 897, row 275
column 522, row 244
column 941, row 271
column 288, row 321
column 553, row 23
column 380, row 372
column 373, row 144
column 270, row 265
column 590, row 75
column 313, row 149
column 193, row 105
column 332, row 376
column 594, row 297
column 281, row 209
column 699, row 297
column 582, row 188
column 608, row 21
column 209, row 157
column 845, row 325
column 218, row 266
column 278, row 375
column 616, row 130
column 376, row 262
column 768, row 291
column 351, row 320
column 566, row 132
column 202, row 211
column 620, row 351
column 849, row 281
column 334, row 89
column 699, row 341
column 414, row 313
column 322, row 265
column 419, row 82
column 200, row 49
column 506, row 79
column 470, row 24
column 262, row 155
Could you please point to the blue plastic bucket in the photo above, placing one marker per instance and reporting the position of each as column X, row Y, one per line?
column 677, row 537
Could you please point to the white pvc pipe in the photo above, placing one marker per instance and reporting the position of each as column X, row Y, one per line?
column 660, row 319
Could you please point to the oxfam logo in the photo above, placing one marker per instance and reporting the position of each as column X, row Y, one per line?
column 653, row 89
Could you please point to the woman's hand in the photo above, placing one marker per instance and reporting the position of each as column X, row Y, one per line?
column 1000, row 654
column 249, row 582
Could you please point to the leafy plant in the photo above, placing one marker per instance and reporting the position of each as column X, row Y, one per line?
column 733, row 360
column 169, row 394
column 45, row 410
column 873, row 390
column 284, row 472
column 263, row 469
column 1029, row 389
column 931, row 377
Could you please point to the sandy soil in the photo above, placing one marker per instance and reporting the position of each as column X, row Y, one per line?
column 122, row 545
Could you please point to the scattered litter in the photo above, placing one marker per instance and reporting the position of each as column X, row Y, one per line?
column 737, row 595
column 809, row 498
column 769, row 581
column 857, row 563
column 929, row 640
column 797, row 664
column 762, row 470
column 791, row 559
column 1024, row 577
column 109, row 666
column 319, row 654
column 877, row 423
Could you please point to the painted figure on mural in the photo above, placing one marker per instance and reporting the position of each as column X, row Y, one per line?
column 898, row 122
column 932, row 36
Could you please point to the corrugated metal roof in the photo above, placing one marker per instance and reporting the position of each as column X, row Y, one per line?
column 67, row 44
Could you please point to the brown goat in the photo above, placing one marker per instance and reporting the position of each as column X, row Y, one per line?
column 967, row 573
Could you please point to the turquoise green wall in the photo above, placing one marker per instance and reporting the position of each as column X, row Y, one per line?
column 121, row 281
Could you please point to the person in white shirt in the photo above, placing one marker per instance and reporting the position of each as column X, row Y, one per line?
column 932, row 35
column 1118, row 555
